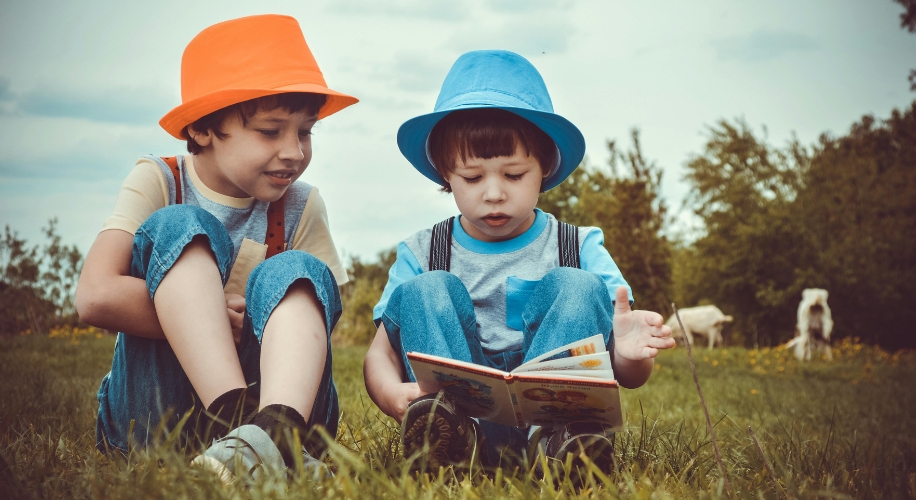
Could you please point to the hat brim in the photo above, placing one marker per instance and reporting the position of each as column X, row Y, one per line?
column 413, row 135
column 187, row 113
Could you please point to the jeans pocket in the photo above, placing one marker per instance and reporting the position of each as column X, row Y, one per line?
column 518, row 291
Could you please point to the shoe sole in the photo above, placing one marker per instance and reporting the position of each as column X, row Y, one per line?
column 213, row 465
column 428, row 425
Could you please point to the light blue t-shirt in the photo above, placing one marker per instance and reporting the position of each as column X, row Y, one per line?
column 500, row 276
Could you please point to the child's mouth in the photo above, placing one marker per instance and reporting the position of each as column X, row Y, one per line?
column 496, row 220
column 280, row 178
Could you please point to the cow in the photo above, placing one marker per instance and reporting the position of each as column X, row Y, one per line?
column 814, row 325
column 701, row 320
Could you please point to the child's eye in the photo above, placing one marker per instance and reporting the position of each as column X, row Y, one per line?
column 269, row 132
column 471, row 180
column 305, row 133
column 515, row 177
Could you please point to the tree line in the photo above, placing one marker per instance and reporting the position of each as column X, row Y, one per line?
column 839, row 214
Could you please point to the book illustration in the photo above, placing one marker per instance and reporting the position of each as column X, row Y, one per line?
column 595, row 361
column 550, row 401
column 583, row 349
column 592, row 345
column 470, row 394
column 568, row 403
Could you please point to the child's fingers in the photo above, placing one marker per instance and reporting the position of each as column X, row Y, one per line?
column 621, row 301
column 235, row 302
column 660, row 343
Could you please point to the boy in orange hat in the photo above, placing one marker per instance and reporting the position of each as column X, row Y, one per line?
column 217, row 322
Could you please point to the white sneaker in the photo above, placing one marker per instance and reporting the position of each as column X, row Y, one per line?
column 246, row 450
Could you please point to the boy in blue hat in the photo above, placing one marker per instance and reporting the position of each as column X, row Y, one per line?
column 503, row 282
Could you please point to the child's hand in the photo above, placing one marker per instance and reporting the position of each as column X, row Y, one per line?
column 235, row 304
column 638, row 334
column 395, row 404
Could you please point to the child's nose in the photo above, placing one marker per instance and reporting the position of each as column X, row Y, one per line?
column 494, row 191
column 291, row 147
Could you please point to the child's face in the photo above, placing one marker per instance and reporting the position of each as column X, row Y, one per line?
column 259, row 159
column 496, row 196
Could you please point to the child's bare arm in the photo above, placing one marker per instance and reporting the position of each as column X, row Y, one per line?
column 107, row 296
column 382, row 371
column 638, row 335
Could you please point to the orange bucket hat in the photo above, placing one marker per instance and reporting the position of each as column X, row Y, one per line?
column 243, row 59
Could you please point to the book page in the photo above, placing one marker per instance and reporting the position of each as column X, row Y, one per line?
column 551, row 401
column 591, row 345
column 598, row 362
column 478, row 390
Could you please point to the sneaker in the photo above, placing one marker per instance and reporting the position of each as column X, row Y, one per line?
column 245, row 451
column 594, row 440
column 434, row 420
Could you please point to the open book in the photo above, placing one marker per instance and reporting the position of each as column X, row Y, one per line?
column 572, row 383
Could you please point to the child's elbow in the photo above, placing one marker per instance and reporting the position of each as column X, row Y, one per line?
column 89, row 304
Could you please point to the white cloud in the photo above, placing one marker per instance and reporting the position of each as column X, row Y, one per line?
column 762, row 45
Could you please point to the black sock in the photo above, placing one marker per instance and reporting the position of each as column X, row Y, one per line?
column 279, row 421
column 228, row 411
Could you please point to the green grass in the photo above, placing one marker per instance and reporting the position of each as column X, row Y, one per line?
column 836, row 429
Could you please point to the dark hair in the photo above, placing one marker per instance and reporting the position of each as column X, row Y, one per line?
column 293, row 102
column 487, row 133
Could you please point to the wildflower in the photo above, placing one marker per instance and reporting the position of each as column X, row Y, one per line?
column 715, row 363
column 754, row 391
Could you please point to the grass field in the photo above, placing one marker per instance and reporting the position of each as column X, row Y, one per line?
column 841, row 429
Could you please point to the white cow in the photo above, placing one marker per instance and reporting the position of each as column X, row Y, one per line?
column 701, row 320
column 814, row 326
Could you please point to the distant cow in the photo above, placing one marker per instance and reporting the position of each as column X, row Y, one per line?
column 702, row 320
column 814, row 326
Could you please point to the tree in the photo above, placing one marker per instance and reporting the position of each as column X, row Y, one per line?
column 37, row 284
column 859, row 208
column 838, row 216
column 749, row 262
column 908, row 22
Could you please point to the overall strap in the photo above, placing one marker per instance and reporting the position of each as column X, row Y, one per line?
column 440, row 246
column 568, row 236
column 172, row 162
column 276, row 227
column 276, row 223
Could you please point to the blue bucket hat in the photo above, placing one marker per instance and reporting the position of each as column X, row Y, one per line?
column 502, row 80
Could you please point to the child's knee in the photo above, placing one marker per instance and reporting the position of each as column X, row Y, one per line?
column 571, row 280
column 169, row 232
column 432, row 287
column 291, row 272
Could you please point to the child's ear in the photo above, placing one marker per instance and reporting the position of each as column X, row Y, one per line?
column 203, row 139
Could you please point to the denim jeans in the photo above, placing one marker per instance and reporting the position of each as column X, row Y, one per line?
column 433, row 314
column 147, row 391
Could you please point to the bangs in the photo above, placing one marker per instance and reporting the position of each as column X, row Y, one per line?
column 292, row 102
column 487, row 133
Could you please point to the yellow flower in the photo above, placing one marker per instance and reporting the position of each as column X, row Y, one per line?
column 753, row 391
column 715, row 363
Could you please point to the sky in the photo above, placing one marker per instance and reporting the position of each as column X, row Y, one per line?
column 83, row 85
